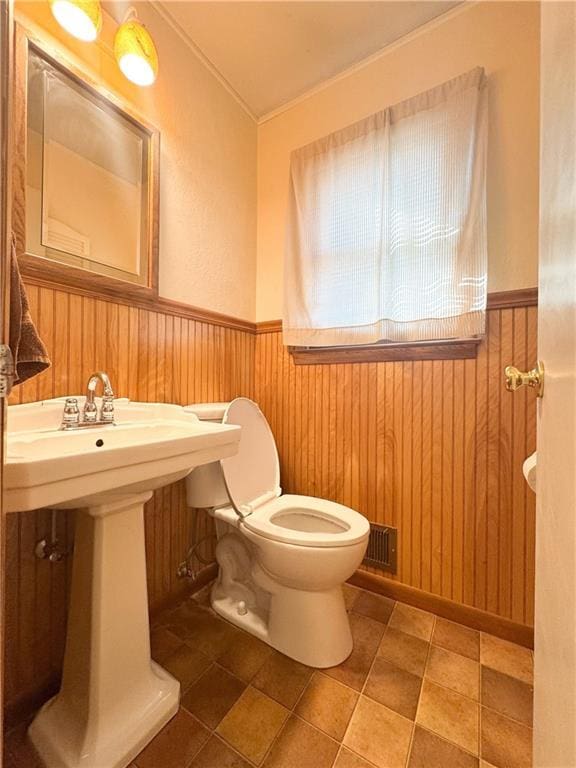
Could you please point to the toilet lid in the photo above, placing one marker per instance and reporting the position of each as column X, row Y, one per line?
column 253, row 474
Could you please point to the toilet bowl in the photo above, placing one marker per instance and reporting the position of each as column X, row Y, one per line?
column 282, row 558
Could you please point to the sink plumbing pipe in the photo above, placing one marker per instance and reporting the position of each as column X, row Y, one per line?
column 51, row 549
column 188, row 569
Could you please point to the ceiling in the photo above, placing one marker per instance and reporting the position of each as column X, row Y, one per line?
column 272, row 52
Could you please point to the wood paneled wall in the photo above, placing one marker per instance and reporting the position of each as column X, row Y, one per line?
column 151, row 356
column 434, row 448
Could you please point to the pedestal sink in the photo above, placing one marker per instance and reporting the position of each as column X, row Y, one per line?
column 114, row 698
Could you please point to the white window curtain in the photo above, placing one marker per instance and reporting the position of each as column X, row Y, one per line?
column 386, row 231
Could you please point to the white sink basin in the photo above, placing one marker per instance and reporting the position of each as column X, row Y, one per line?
column 114, row 699
column 147, row 447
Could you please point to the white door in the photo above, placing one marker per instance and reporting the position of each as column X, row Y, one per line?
column 6, row 59
column 555, row 630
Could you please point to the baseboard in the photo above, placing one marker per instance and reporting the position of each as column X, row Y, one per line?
column 448, row 609
column 205, row 576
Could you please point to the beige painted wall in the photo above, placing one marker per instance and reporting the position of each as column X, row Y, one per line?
column 504, row 38
column 208, row 163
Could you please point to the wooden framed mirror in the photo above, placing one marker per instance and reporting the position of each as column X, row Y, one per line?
column 85, row 191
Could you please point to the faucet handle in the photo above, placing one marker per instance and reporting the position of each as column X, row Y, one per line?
column 71, row 413
column 107, row 410
column 90, row 411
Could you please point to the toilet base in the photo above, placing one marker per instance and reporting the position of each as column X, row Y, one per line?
column 252, row 621
column 310, row 627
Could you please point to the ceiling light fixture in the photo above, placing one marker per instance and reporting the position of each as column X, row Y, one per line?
column 135, row 51
column 81, row 18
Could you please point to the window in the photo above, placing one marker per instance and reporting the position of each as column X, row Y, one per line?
column 386, row 232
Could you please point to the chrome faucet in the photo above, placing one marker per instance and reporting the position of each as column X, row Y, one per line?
column 72, row 419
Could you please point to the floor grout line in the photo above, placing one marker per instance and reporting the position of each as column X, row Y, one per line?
column 291, row 711
column 409, row 755
column 361, row 692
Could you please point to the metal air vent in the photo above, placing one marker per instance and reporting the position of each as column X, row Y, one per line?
column 382, row 552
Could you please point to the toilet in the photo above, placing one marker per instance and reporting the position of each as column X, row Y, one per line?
column 282, row 558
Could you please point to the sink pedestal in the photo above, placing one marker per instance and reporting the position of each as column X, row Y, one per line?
column 114, row 698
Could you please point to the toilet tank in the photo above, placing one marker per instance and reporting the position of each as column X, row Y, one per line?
column 205, row 484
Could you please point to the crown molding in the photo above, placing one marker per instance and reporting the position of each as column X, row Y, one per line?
column 164, row 14
column 423, row 29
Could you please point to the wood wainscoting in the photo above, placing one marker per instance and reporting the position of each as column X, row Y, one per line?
column 434, row 448
column 151, row 356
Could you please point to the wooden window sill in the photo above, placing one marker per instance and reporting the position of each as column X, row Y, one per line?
column 452, row 349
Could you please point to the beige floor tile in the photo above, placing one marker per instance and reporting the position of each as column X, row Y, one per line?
column 430, row 751
column 328, row 705
column 450, row 715
column 202, row 629
column 366, row 634
column 412, row 621
column 507, row 695
column 163, row 643
column 511, row 659
column 406, row 651
column 394, row 687
column 213, row 695
column 454, row 671
column 202, row 597
column 245, row 656
column 186, row 664
column 216, row 754
column 301, row 746
column 252, row 724
column 457, row 638
column 282, row 679
column 504, row 742
column 379, row 735
column 184, row 614
column 350, row 594
column 347, row 759
column 176, row 744
column 374, row 606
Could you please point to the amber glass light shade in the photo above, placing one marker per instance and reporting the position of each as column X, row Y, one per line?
column 81, row 18
column 136, row 53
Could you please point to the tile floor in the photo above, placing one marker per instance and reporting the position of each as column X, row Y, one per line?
column 417, row 692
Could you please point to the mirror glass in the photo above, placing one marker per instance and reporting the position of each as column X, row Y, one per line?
column 87, row 177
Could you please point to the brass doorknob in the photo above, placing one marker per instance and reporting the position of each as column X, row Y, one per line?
column 533, row 378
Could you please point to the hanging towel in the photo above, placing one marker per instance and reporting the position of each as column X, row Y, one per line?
column 28, row 350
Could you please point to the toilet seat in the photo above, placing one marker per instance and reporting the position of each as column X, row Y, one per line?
column 253, row 474
column 252, row 479
column 307, row 522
